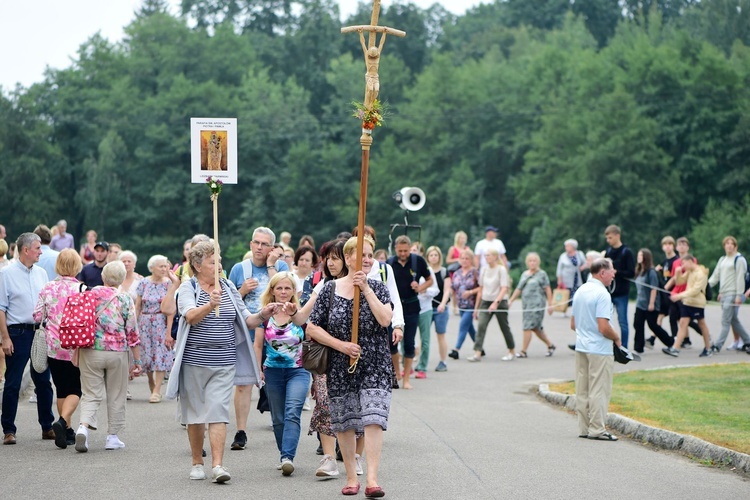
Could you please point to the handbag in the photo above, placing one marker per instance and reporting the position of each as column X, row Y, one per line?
column 560, row 299
column 315, row 356
column 39, row 350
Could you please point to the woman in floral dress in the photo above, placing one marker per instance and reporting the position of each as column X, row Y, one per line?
column 465, row 283
column 536, row 295
column 156, row 342
column 360, row 399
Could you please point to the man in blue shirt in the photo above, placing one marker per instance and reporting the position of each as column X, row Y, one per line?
column 48, row 260
column 20, row 284
column 595, row 341
column 251, row 278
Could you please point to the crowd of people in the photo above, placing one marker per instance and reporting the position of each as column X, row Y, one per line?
column 214, row 339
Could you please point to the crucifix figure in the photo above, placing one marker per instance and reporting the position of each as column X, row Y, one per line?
column 372, row 61
column 372, row 52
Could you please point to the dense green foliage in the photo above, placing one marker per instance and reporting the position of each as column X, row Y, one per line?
column 549, row 121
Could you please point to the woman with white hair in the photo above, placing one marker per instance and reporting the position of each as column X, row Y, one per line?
column 132, row 278
column 569, row 266
column 105, row 365
column 156, row 341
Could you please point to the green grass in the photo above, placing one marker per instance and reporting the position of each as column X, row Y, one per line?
column 711, row 402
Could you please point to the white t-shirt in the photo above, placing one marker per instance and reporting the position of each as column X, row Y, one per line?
column 481, row 249
column 492, row 280
column 592, row 301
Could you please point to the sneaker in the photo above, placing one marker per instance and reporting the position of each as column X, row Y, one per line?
column 474, row 359
column 572, row 347
column 687, row 344
column 715, row 349
column 82, row 439
column 650, row 342
column 306, row 406
column 220, row 475
column 508, row 357
column 240, row 441
column 60, row 428
column 483, row 353
column 287, row 467
column 319, row 451
column 70, row 436
column 441, row 367
column 197, row 472
column 551, row 350
column 328, row 467
column 114, row 443
column 32, row 398
column 736, row 346
column 278, row 466
column 358, row 460
column 420, row 374
column 453, row 354
column 670, row 351
column 706, row 353
column 129, row 397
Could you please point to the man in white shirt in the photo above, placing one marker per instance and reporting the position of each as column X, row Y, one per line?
column 490, row 241
column 20, row 284
column 595, row 341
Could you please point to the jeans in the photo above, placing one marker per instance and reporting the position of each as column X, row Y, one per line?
column 286, row 389
column 466, row 325
column 643, row 316
column 621, row 305
column 730, row 317
column 502, row 319
column 411, row 322
column 14, row 367
column 425, row 322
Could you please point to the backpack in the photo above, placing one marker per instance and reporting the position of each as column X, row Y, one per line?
column 177, row 315
column 78, row 324
column 747, row 271
column 383, row 272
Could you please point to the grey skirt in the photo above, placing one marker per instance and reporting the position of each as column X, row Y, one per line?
column 205, row 394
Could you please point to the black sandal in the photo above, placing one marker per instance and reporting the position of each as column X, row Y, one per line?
column 521, row 354
column 606, row 436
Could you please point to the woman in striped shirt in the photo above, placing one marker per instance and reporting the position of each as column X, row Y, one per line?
column 214, row 353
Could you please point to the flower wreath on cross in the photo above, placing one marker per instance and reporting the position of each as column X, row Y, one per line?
column 371, row 118
column 214, row 185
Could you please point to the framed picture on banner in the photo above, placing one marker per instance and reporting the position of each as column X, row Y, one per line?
column 213, row 147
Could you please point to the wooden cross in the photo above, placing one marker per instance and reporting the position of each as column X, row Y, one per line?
column 372, row 55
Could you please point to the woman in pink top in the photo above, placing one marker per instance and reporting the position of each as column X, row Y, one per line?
column 105, row 366
column 48, row 312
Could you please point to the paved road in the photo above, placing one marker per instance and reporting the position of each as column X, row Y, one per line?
column 474, row 432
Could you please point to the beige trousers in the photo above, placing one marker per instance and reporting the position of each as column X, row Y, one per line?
column 593, row 390
column 103, row 371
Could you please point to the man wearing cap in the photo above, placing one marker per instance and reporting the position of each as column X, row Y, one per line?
column 592, row 313
column 490, row 241
column 91, row 274
column 20, row 284
column 62, row 239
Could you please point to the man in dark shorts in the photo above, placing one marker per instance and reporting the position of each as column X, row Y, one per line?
column 678, row 286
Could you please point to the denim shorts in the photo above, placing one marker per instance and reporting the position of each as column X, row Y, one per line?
column 440, row 319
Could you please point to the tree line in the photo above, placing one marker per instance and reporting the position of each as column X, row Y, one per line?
column 548, row 119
